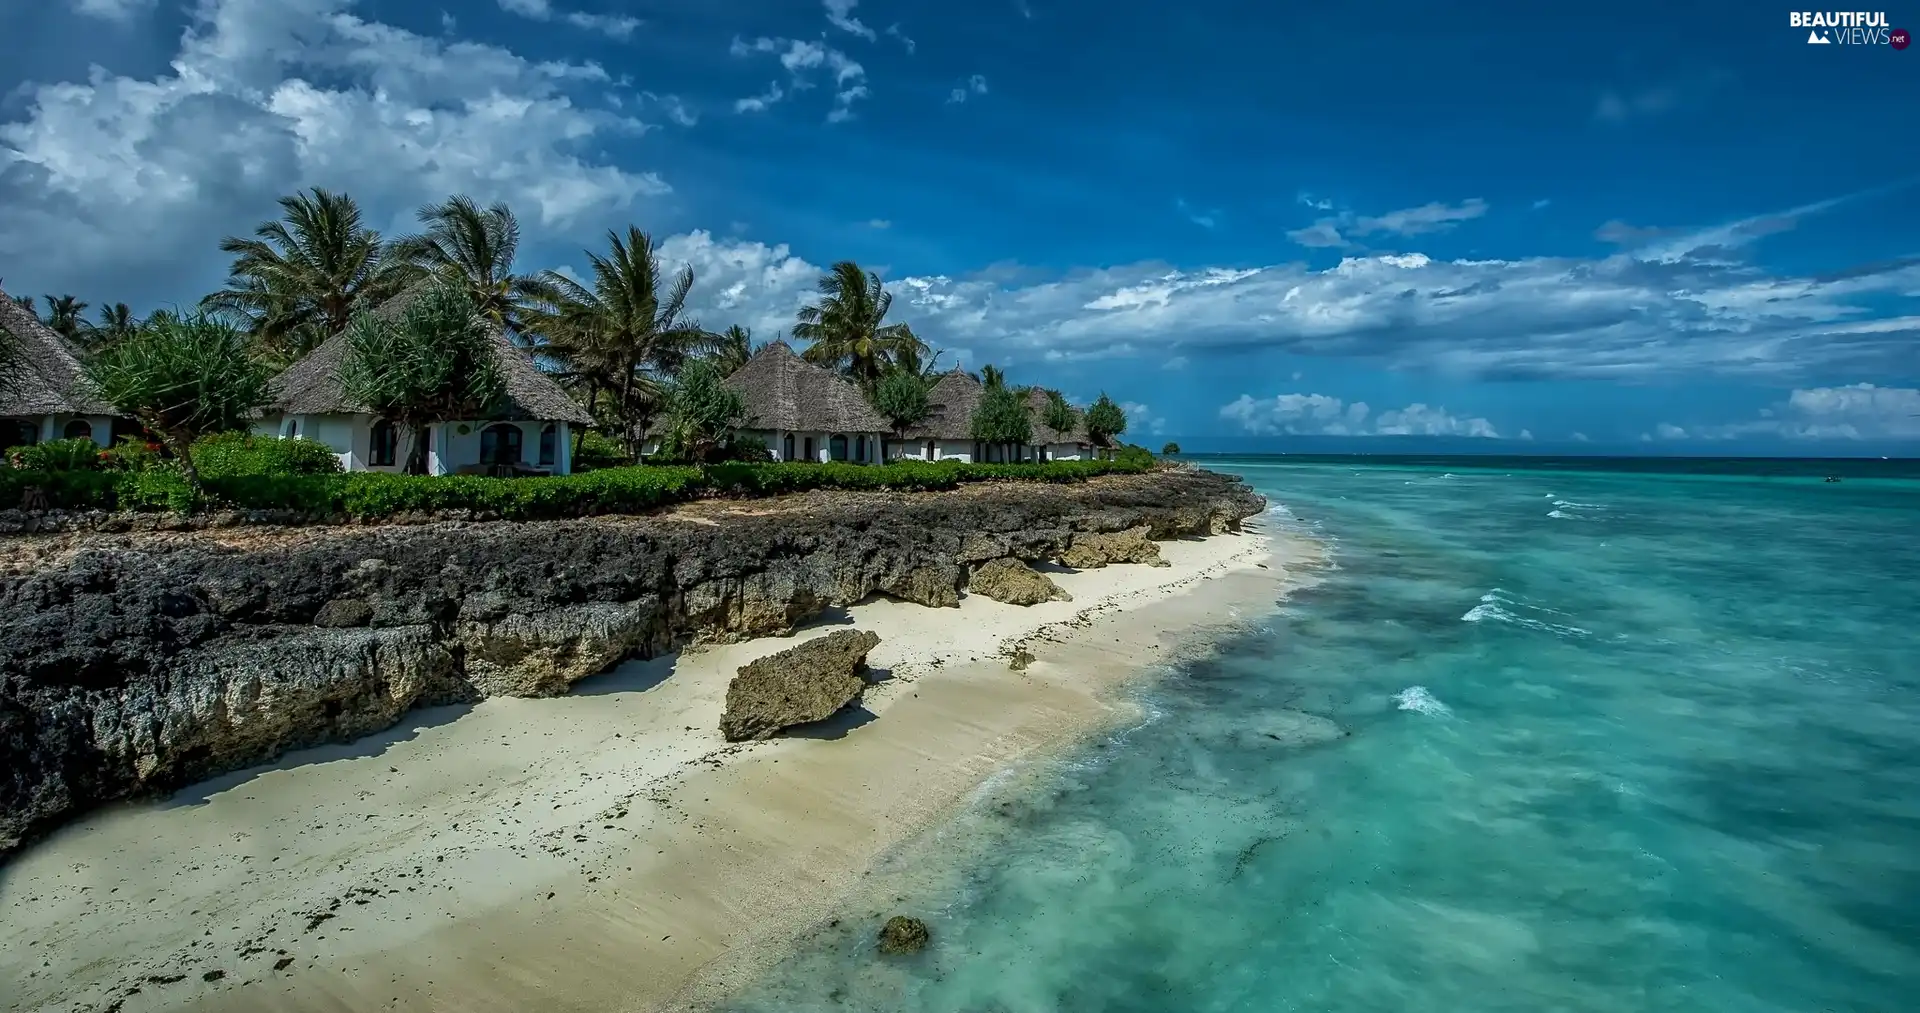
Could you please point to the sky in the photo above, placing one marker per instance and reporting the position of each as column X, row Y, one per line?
column 1668, row 227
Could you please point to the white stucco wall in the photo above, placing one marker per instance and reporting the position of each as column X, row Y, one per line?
column 1068, row 452
column 943, row 450
column 54, row 427
column 776, row 443
column 351, row 438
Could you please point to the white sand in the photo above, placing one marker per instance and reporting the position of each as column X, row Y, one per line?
column 600, row 851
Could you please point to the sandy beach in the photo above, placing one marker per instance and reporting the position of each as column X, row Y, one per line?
column 605, row 850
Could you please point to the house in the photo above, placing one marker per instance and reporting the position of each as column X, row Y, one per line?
column 805, row 413
column 1051, row 444
column 48, row 397
column 946, row 434
column 529, row 433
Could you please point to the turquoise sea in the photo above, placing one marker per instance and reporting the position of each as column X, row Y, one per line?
column 1619, row 737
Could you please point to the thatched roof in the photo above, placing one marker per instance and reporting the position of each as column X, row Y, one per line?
column 1037, row 401
column 49, row 380
column 784, row 391
column 953, row 398
column 311, row 386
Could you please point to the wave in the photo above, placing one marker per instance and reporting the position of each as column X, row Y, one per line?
column 1418, row 700
column 1571, row 505
column 1561, row 514
column 1500, row 606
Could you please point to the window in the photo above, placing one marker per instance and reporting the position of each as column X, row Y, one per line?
column 786, row 452
column 549, row 437
column 500, row 444
column 78, row 429
column 837, row 447
column 810, row 456
column 290, row 430
column 860, row 449
column 22, row 433
column 385, row 445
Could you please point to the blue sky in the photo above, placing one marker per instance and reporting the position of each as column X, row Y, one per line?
column 1667, row 227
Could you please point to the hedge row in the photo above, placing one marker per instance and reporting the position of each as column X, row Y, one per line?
column 370, row 495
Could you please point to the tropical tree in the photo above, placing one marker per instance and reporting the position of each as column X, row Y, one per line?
column 848, row 329
column 730, row 349
column 115, row 323
column 702, row 413
column 1001, row 419
column 182, row 378
column 1170, row 449
column 990, row 376
column 473, row 247
column 435, row 363
column 1059, row 416
column 1105, row 420
column 914, row 360
column 901, row 398
column 300, row 279
column 64, row 315
column 624, row 335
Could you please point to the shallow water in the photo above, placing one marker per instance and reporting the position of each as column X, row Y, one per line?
column 1543, row 741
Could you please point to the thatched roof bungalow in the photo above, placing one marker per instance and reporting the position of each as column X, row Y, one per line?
column 46, row 395
column 803, row 412
column 528, row 433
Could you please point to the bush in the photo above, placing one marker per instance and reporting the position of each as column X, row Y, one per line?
column 79, row 454
column 372, row 495
column 597, row 450
column 1133, row 458
column 1170, row 449
column 133, row 454
column 231, row 454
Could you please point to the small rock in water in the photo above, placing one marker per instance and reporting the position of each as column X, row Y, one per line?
column 903, row 935
column 213, row 976
column 1021, row 659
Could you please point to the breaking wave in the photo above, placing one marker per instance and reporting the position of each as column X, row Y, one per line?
column 1417, row 699
column 1500, row 606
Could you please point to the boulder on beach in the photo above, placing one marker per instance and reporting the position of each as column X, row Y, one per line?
column 805, row 683
column 935, row 586
column 903, row 935
column 1090, row 549
column 1015, row 583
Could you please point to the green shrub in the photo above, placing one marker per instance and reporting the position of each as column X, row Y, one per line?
column 633, row 489
column 598, row 450
column 78, row 454
column 1133, row 458
column 133, row 453
column 232, row 454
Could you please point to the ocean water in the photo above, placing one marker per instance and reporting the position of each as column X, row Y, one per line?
column 1546, row 739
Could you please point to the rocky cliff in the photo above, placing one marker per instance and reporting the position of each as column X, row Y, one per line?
column 137, row 663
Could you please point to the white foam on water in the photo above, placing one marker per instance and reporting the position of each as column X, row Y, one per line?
column 1561, row 514
column 1570, row 505
column 1499, row 605
column 1418, row 700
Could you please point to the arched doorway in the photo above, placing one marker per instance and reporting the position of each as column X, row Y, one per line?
column 837, row 447
column 385, row 445
column 500, row 444
column 549, row 444
column 78, row 429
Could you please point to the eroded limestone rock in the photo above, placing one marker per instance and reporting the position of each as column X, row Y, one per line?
column 805, row 683
column 1015, row 583
column 1091, row 550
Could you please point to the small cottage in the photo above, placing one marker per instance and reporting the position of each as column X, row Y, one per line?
column 802, row 412
column 946, row 434
column 528, row 435
column 1051, row 444
column 47, row 397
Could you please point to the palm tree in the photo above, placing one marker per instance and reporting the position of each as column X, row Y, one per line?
column 623, row 335
column 990, row 376
column 474, row 247
column 300, row 278
column 847, row 328
column 116, row 322
column 909, row 360
column 730, row 349
column 64, row 316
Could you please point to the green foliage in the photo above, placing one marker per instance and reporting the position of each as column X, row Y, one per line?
column 223, row 455
column 364, row 495
column 901, row 399
column 597, row 451
column 79, row 454
column 434, row 364
column 702, row 412
column 182, row 377
column 1105, row 420
column 132, row 454
column 1060, row 416
column 1170, row 449
column 846, row 329
column 1134, row 458
column 1002, row 417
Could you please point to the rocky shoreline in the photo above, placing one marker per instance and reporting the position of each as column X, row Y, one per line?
column 132, row 664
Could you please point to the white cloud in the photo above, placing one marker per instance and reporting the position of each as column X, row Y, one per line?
column 1526, row 434
column 879, row 223
column 1338, row 230
column 1615, row 107
column 1541, row 203
column 975, row 85
column 612, row 26
column 894, row 30
column 840, row 15
column 1581, row 438
column 1142, row 421
column 118, row 11
column 801, row 58
column 1177, row 362
column 1861, row 411
column 759, row 103
column 1324, row 415
column 104, row 182
column 674, row 107
column 1669, row 431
